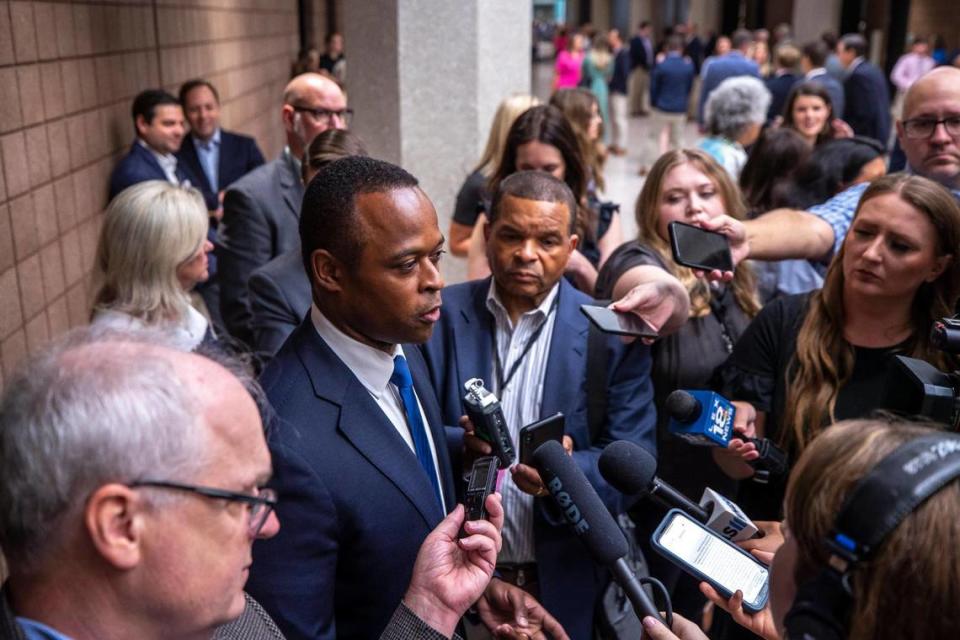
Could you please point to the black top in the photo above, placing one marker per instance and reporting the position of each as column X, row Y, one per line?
column 761, row 367
column 688, row 359
column 471, row 199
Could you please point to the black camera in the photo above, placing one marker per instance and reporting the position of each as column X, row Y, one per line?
column 916, row 387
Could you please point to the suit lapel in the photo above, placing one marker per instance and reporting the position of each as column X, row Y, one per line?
column 189, row 158
column 365, row 425
column 565, row 367
column 291, row 186
column 473, row 338
column 227, row 152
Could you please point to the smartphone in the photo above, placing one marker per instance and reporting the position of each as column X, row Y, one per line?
column 698, row 248
column 618, row 322
column 481, row 483
column 709, row 557
column 534, row 435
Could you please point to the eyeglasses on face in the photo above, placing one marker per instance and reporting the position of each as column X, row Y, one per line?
column 260, row 505
column 924, row 127
column 326, row 116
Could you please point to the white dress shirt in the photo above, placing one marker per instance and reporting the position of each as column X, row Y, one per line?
column 168, row 162
column 521, row 401
column 373, row 368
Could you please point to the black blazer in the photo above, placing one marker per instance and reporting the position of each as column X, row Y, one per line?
column 239, row 155
column 868, row 102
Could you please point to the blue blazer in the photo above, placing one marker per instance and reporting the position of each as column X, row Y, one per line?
column 139, row 165
column 779, row 87
column 670, row 84
column 462, row 348
column 868, row 102
column 355, row 505
column 239, row 155
column 719, row 69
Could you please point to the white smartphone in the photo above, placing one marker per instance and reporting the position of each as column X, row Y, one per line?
column 709, row 557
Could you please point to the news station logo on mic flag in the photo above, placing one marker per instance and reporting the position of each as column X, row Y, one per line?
column 711, row 425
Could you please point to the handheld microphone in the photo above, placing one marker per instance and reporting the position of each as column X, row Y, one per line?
column 705, row 418
column 590, row 520
column 631, row 470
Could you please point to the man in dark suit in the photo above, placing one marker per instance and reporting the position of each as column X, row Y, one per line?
column 523, row 333
column 730, row 65
column 158, row 123
column 280, row 297
column 868, row 99
column 812, row 62
column 787, row 58
column 359, row 451
column 641, row 63
column 261, row 210
column 217, row 157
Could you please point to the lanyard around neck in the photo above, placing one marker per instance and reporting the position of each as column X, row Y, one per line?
column 532, row 340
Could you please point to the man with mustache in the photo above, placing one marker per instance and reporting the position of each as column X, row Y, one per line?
column 522, row 332
column 359, row 451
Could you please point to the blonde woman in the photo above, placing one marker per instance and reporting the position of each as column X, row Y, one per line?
column 810, row 359
column 473, row 194
column 152, row 251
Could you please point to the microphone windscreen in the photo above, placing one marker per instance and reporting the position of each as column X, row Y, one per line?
column 628, row 467
column 682, row 406
column 580, row 504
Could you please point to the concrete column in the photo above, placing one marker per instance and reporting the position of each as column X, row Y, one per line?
column 425, row 78
column 813, row 17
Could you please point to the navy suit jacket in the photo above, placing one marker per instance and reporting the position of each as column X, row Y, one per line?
column 239, row 155
column 462, row 348
column 670, row 84
column 261, row 220
column 354, row 505
column 140, row 165
column 719, row 69
column 280, row 295
column 868, row 102
column 779, row 87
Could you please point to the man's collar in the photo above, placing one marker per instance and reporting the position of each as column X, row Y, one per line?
column 212, row 140
column 815, row 73
column 496, row 307
column 166, row 156
column 371, row 366
column 295, row 162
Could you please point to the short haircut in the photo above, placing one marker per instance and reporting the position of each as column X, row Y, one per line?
column 190, row 85
column 644, row 24
column 535, row 185
column 146, row 103
column 787, row 56
column 855, row 42
column 816, row 51
column 87, row 410
column 741, row 38
column 328, row 215
column 675, row 43
column 735, row 104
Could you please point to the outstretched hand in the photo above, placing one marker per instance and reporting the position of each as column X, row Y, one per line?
column 736, row 234
column 510, row 612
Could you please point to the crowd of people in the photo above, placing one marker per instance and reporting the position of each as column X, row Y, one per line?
column 262, row 432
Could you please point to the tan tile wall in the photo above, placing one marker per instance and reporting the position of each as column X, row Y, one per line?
column 929, row 18
column 68, row 73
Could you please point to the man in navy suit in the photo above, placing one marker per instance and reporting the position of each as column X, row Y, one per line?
column 868, row 99
column 523, row 333
column 158, row 123
column 787, row 57
column 360, row 455
column 730, row 65
column 812, row 62
column 262, row 209
column 217, row 157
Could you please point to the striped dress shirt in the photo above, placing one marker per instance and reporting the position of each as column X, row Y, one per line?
column 520, row 400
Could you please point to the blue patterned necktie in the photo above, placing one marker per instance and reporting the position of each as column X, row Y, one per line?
column 402, row 379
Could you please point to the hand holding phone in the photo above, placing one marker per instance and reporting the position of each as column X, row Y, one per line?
column 621, row 323
column 534, row 435
column 699, row 248
column 709, row 557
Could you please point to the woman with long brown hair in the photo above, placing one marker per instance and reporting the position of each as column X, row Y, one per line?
column 809, row 360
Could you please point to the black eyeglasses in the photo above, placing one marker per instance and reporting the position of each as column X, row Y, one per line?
column 326, row 115
column 261, row 505
column 924, row 127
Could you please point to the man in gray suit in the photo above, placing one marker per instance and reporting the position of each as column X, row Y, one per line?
column 261, row 210
column 131, row 480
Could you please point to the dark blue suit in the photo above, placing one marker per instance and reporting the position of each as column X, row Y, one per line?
column 719, row 69
column 139, row 165
column 462, row 348
column 239, row 155
column 868, row 102
column 779, row 87
column 355, row 505
column 670, row 84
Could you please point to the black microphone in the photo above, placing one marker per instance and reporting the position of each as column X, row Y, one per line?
column 631, row 470
column 590, row 520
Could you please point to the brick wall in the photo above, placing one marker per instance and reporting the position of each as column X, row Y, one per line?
column 68, row 73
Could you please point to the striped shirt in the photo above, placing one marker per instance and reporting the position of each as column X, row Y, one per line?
column 520, row 401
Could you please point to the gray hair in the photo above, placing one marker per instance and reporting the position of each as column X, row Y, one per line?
column 735, row 104
column 94, row 407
